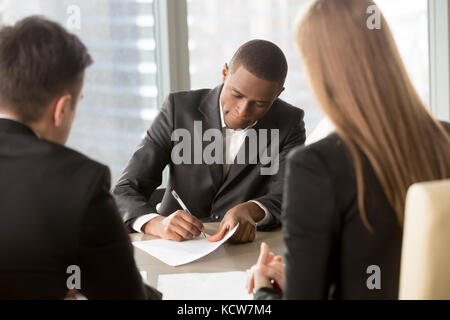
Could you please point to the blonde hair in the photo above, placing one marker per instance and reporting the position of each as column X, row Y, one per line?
column 361, row 83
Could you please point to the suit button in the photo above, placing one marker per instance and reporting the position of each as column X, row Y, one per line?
column 217, row 217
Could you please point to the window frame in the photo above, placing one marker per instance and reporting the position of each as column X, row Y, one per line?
column 172, row 50
column 172, row 53
column 439, row 31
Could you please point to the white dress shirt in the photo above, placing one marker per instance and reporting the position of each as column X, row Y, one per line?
column 233, row 140
column 4, row 116
column 321, row 131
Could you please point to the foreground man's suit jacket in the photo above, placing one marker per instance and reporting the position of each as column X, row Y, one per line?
column 204, row 190
column 56, row 211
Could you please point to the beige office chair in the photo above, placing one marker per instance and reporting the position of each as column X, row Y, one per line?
column 425, row 264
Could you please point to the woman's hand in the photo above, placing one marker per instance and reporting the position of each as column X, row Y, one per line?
column 268, row 272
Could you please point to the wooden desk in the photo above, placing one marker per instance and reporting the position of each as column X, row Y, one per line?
column 228, row 257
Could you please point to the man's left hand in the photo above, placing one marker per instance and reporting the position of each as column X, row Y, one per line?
column 245, row 214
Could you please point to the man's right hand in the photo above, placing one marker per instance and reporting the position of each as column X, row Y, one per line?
column 179, row 226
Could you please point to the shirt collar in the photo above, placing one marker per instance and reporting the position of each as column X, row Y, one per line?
column 4, row 116
column 222, row 120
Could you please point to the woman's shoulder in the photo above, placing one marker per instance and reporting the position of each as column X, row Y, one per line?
column 446, row 126
column 329, row 151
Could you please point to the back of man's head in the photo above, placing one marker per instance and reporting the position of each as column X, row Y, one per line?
column 263, row 59
column 39, row 60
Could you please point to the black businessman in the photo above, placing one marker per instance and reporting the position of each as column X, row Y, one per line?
column 242, row 109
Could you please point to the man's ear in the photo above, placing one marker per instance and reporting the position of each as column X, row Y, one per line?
column 225, row 71
column 61, row 109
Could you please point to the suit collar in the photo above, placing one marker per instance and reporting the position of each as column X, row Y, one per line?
column 15, row 127
column 210, row 108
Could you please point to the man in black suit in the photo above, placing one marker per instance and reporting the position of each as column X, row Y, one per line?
column 236, row 116
column 60, row 228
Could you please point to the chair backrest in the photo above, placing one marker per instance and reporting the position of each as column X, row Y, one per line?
column 425, row 262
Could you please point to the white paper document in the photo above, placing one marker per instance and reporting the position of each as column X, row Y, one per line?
column 204, row 286
column 178, row 253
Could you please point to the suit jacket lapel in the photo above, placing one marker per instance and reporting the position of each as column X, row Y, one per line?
column 211, row 120
column 251, row 159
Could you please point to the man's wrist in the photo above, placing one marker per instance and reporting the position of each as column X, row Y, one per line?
column 152, row 227
column 256, row 212
column 138, row 223
column 267, row 216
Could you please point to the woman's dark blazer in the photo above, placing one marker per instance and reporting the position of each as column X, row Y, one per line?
column 329, row 252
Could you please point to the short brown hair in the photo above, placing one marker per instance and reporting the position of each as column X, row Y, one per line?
column 39, row 59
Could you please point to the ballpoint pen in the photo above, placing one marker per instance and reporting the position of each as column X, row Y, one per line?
column 181, row 203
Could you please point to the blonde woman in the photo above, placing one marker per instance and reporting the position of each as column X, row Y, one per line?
column 344, row 196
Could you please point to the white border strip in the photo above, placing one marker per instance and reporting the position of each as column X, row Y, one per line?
column 439, row 11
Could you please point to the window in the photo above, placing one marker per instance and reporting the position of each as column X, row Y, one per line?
column 409, row 24
column 218, row 28
column 120, row 92
column 123, row 88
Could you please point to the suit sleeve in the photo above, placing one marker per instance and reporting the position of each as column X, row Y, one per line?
column 143, row 173
column 105, row 254
column 266, row 294
column 273, row 198
column 308, row 219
